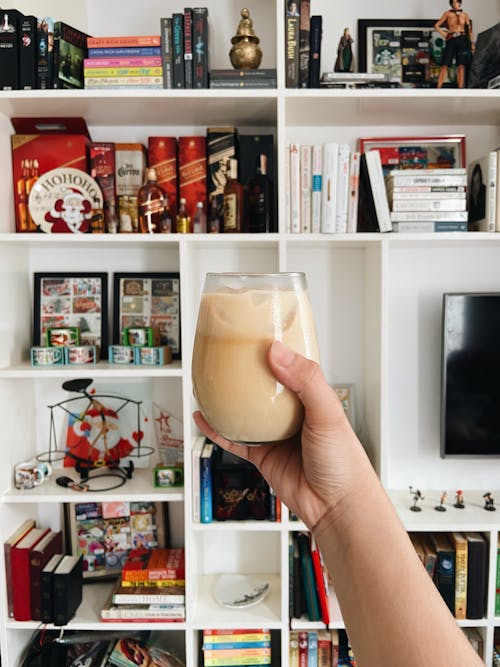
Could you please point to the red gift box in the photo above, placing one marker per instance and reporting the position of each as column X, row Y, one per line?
column 162, row 156
column 193, row 172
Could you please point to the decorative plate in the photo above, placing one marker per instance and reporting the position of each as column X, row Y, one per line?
column 240, row 590
column 63, row 201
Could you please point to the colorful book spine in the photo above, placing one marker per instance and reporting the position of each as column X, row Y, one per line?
column 292, row 52
column 321, row 582
column 195, row 478
column 460, row 543
column 123, row 62
column 167, row 56
column 125, row 52
column 124, row 41
column 317, row 175
column 235, row 645
column 124, row 81
column 178, row 49
column 123, row 71
column 312, row 649
column 200, row 47
column 27, row 53
column 206, row 483
column 329, row 192
column 188, row 47
column 239, row 634
column 429, row 227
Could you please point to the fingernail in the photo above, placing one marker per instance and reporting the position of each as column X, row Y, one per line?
column 282, row 355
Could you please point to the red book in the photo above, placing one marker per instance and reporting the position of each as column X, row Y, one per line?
column 8, row 545
column 127, row 40
column 303, row 649
column 40, row 555
column 154, row 565
column 162, row 156
column 21, row 582
column 321, row 582
column 193, row 172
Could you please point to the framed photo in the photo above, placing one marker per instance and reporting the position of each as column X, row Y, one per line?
column 445, row 152
column 72, row 300
column 405, row 50
column 148, row 300
column 105, row 532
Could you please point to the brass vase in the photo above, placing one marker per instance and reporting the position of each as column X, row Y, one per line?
column 245, row 52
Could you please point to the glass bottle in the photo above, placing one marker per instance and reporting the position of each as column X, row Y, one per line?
column 260, row 201
column 22, row 198
column 233, row 201
column 214, row 226
column 151, row 201
column 34, row 174
column 183, row 220
column 199, row 220
column 166, row 222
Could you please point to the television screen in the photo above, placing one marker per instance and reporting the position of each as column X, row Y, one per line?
column 470, row 409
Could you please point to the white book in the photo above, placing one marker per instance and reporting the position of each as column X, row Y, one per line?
column 452, row 171
column 379, row 193
column 195, row 476
column 352, row 211
column 428, row 227
column 436, row 178
column 398, row 195
column 429, row 204
column 429, row 216
column 497, row 227
column 482, row 195
column 317, row 175
column 305, row 187
column 342, row 189
column 294, row 188
column 329, row 192
column 287, row 190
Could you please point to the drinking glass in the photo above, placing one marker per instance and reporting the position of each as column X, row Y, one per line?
column 240, row 315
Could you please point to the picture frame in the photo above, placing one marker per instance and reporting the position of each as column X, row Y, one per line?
column 72, row 299
column 148, row 300
column 439, row 152
column 104, row 533
column 408, row 51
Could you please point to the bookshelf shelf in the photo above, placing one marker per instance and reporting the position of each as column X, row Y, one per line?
column 101, row 370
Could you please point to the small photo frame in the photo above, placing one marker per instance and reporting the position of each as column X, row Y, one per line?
column 148, row 300
column 345, row 392
column 78, row 299
column 104, row 533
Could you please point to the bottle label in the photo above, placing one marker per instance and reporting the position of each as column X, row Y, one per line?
column 230, row 211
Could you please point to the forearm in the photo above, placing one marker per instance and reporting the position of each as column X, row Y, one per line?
column 392, row 610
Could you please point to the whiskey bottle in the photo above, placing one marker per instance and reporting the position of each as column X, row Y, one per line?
column 260, row 200
column 199, row 220
column 34, row 174
column 22, row 197
column 166, row 222
column 151, row 201
column 183, row 220
column 214, row 226
column 233, row 201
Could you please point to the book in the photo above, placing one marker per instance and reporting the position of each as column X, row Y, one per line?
column 124, row 82
column 428, row 216
column 304, row 42
column 292, row 51
column 161, row 595
column 295, row 188
column 95, row 72
column 316, row 35
column 214, row 645
column 444, row 575
column 430, row 555
column 238, row 634
column 144, row 613
column 303, row 649
column 9, row 543
column 321, row 582
column 206, row 483
column 477, row 575
column 46, row 612
column 312, row 648
column 195, row 477
column 200, row 47
column 482, row 194
column 411, row 227
column 178, row 48
column 70, row 51
column 445, row 204
column 9, row 49
column 305, row 187
column 188, row 47
column 312, row 602
column 342, row 196
column 27, row 49
column 45, row 52
column 122, row 62
column 299, row 593
column 167, row 56
column 293, row 649
column 40, row 555
column 329, row 186
column 242, row 83
column 144, row 565
column 353, row 194
column 405, row 178
column 67, row 587
column 367, row 215
column 415, row 195
column 424, row 190
column 459, row 542
column 324, row 649
column 238, row 74
column 124, row 41
column 20, row 571
column 378, row 191
column 125, row 52
column 316, row 187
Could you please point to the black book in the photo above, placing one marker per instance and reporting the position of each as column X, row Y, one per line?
column 304, row 42
column 292, row 51
column 444, row 574
column 299, row 593
column 238, row 74
column 315, row 52
column 67, row 584
column 188, row 47
column 70, row 50
column 200, row 47
column 367, row 215
column 10, row 22
column 167, row 56
column 178, row 49
column 45, row 52
column 477, row 568
column 46, row 588
column 27, row 53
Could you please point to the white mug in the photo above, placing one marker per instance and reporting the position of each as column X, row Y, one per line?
column 29, row 474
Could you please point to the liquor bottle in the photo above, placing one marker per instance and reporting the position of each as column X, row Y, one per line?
column 166, row 223
column 199, row 220
column 214, row 226
column 151, row 204
column 22, row 197
column 233, row 201
column 34, row 174
column 260, row 200
column 183, row 221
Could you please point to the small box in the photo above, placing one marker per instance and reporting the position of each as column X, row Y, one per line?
column 47, row 356
column 130, row 166
column 121, row 354
column 153, row 356
column 63, row 336
column 166, row 476
column 80, row 354
column 141, row 336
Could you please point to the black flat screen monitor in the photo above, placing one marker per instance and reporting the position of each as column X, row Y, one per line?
column 470, row 408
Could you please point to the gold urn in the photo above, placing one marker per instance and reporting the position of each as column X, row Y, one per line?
column 245, row 52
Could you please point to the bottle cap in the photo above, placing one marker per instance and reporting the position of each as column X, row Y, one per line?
column 182, row 200
column 151, row 174
column 199, row 204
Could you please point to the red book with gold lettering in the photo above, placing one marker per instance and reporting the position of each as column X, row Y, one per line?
column 148, row 565
column 193, row 172
column 162, row 156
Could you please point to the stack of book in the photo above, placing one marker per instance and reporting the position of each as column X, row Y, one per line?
column 151, row 588
column 316, row 648
column 357, row 80
column 185, row 48
column 236, row 647
column 428, row 200
column 243, row 78
column 124, row 62
column 308, row 586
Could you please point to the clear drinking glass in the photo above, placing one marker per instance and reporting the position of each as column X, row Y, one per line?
column 240, row 316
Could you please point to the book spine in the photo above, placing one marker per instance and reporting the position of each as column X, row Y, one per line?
column 321, row 582
column 292, row 52
column 352, row 213
column 200, row 47
column 124, row 42
column 167, row 57
column 206, row 503
column 238, row 74
column 476, row 578
column 235, row 645
column 313, row 610
column 124, row 81
column 237, row 661
column 294, row 188
column 324, row 650
column 253, row 652
column 399, row 195
column 316, row 186
column 27, row 53
column 123, row 71
column 288, row 224
column 405, row 181
column 44, row 56
column 330, row 177
column 426, row 190
column 430, row 205
column 491, row 192
column 195, row 479
column 239, row 634
column 379, row 192
column 444, row 577
column 242, row 83
column 429, row 216
column 178, row 49
column 305, row 188
column 304, row 42
column 312, row 649
column 427, row 227
column 125, row 52
column 122, row 63
column 188, row 48
column 293, row 649
column 315, row 53
column 303, row 649
column 153, row 583
column 146, row 598
column 342, row 189
column 9, row 49
column 460, row 579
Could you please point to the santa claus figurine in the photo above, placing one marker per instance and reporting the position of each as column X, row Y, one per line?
column 70, row 213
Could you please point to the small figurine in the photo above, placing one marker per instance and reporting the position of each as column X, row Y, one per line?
column 455, row 27
column 416, row 497
column 459, row 500
column 345, row 57
column 441, row 507
column 489, row 502
column 245, row 52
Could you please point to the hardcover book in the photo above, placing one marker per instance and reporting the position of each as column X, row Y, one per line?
column 46, row 588
column 188, row 47
column 124, row 41
column 154, row 565
column 167, row 54
column 312, row 601
column 67, row 581
column 316, row 186
column 45, row 52
column 70, row 51
column 9, row 543
column 477, row 569
column 9, row 48
column 315, row 51
column 206, row 483
column 482, row 193
column 41, row 553
column 21, row 582
column 27, row 53
column 150, row 595
column 329, row 184
column 459, row 542
column 200, row 47
column 292, row 52
column 304, row 42
column 178, row 49
column 444, row 575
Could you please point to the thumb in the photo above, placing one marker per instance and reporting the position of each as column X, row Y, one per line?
column 305, row 378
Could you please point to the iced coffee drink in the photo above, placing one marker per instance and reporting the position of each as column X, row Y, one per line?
column 239, row 317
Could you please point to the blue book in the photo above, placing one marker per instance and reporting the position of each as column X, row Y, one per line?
column 312, row 649
column 235, row 645
column 124, row 51
column 206, row 504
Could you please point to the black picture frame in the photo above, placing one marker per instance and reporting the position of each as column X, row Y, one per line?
column 148, row 299
column 65, row 298
column 414, row 73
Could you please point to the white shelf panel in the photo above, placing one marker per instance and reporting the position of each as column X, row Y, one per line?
column 102, row 369
column 139, row 487
column 239, row 526
column 70, row 240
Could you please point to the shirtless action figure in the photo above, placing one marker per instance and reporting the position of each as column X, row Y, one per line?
column 457, row 32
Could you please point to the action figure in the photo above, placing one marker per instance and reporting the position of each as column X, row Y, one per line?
column 416, row 497
column 489, row 502
column 345, row 58
column 459, row 500
column 455, row 27
column 441, row 507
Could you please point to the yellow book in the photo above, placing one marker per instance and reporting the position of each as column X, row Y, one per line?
column 122, row 71
column 460, row 543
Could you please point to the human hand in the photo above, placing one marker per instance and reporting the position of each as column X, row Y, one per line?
column 314, row 471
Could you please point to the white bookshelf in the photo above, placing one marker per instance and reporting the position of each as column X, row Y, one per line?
column 376, row 298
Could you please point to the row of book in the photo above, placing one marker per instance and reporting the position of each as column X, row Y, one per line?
column 308, row 580
column 239, row 646
column 320, row 648
column 303, row 37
